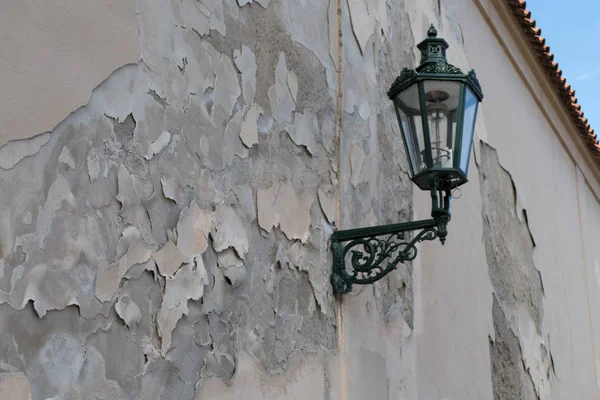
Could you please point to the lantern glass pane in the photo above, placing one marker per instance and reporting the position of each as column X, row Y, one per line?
column 442, row 100
column 409, row 117
column 470, row 114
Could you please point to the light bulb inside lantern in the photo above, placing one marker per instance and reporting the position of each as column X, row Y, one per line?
column 437, row 112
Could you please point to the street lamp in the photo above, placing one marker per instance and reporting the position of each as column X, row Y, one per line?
column 436, row 105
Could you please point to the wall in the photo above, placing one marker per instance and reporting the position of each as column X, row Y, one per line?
column 557, row 341
column 54, row 54
column 169, row 238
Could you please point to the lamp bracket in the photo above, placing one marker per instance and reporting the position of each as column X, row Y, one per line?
column 373, row 256
column 374, row 252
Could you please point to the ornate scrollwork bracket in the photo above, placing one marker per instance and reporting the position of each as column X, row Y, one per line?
column 375, row 252
column 365, row 255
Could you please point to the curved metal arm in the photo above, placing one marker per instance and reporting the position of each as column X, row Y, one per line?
column 371, row 256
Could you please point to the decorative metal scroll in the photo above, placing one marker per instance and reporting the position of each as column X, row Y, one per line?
column 405, row 75
column 440, row 67
column 375, row 255
column 475, row 82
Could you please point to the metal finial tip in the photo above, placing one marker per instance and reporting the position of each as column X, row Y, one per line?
column 432, row 32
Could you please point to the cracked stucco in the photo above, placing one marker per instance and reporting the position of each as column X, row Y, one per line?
column 509, row 378
column 521, row 352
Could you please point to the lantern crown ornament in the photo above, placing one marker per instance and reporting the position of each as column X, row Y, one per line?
column 436, row 105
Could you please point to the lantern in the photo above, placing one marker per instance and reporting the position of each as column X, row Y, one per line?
column 436, row 105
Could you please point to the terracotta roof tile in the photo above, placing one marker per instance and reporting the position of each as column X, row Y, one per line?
column 563, row 89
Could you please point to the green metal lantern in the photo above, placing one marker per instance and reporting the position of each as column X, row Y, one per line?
column 436, row 105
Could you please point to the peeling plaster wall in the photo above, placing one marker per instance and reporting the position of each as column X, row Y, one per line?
column 171, row 235
column 170, row 238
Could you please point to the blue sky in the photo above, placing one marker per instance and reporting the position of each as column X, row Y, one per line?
column 571, row 29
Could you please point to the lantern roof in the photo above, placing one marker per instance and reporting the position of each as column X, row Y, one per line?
column 434, row 65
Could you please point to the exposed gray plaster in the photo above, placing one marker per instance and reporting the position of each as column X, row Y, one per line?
column 132, row 211
column 517, row 283
column 292, row 81
column 245, row 61
column 509, row 247
column 327, row 201
column 93, row 378
column 315, row 39
column 13, row 152
column 187, row 284
column 263, row 3
column 28, row 218
column 59, row 361
column 109, row 278
column 509, row 377
column 67, row 158
column 280, row 97
column 233, row 145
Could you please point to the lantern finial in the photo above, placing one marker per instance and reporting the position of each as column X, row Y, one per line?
column 433, row 48
column 432, row 32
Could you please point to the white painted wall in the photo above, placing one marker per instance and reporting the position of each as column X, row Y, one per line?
column 54, row 54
